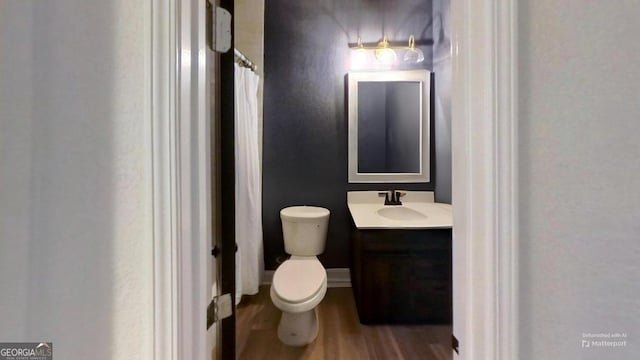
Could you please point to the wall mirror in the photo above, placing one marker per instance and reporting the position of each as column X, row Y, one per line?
column 389, row 119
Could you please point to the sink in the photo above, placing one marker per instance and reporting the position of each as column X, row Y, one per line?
column 418, row 211
column 401, row 213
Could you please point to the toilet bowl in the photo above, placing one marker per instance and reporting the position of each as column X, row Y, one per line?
column 300, row 283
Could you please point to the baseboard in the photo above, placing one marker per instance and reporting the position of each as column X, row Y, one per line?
column 339, row 277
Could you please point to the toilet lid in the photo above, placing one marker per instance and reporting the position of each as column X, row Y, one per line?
column 298, row 280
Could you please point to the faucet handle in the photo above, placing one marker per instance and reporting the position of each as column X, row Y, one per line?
column 388, row 196
column 396, row 195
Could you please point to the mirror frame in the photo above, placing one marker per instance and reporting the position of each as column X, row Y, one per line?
column 422, row 76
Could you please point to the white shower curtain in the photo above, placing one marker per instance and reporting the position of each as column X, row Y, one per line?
column 249, row 258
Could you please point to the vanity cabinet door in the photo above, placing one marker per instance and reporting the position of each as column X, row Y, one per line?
column 402, row 276
column 386, row 288
column 431, row 265
column 432, row 287
column 432, row 301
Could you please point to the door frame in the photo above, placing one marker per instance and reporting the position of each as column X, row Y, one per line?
column 181, row 180
column 485, row 178
column 484, row 173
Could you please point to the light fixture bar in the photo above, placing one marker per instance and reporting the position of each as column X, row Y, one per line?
column 390, row 45
column 385, row 53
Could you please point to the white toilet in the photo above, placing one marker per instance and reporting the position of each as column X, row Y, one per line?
column 300, row 283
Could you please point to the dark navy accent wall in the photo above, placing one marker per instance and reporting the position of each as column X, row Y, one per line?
column 305, row 118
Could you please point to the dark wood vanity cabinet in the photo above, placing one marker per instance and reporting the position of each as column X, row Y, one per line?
column 402, row 276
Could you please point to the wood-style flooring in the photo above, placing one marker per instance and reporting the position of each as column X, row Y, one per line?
column 341, row 335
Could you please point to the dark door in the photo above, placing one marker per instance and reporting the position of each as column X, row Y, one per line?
column 226, row 189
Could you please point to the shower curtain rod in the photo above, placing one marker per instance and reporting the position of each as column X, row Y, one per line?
column 244, row 61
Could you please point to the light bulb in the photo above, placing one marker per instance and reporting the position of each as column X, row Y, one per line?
column 414, row 55
column 359, row 58
column 386, row 56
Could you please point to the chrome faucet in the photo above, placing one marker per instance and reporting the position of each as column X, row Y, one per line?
column 392, row 197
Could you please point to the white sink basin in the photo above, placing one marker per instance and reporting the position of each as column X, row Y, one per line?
column 418, row 211
column 401, row 213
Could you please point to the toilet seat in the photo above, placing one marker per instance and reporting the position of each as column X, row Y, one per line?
column 296, row 280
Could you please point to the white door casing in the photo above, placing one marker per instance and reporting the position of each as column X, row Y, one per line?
column 181, row 178
column 484, row 178
column 484, row 174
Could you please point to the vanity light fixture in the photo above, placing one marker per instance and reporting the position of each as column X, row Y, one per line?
column 413, row 55
column 385, row 53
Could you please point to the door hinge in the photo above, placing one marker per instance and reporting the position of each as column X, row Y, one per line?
column 218, row 28
column 455, row 344
column 220, row 307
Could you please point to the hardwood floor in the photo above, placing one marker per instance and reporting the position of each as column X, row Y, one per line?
column 341, row 335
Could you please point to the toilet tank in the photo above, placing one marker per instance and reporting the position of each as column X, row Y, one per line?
column 304, row 229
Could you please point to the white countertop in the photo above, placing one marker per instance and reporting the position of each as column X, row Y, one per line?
column 364, row 206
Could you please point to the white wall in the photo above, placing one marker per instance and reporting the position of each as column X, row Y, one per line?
column 580, row 177
column 75, row 201
column 16, row 101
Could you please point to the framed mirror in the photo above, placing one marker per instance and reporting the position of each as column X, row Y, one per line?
column 389, row 121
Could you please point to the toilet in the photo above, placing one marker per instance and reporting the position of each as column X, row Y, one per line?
column 300, row 283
